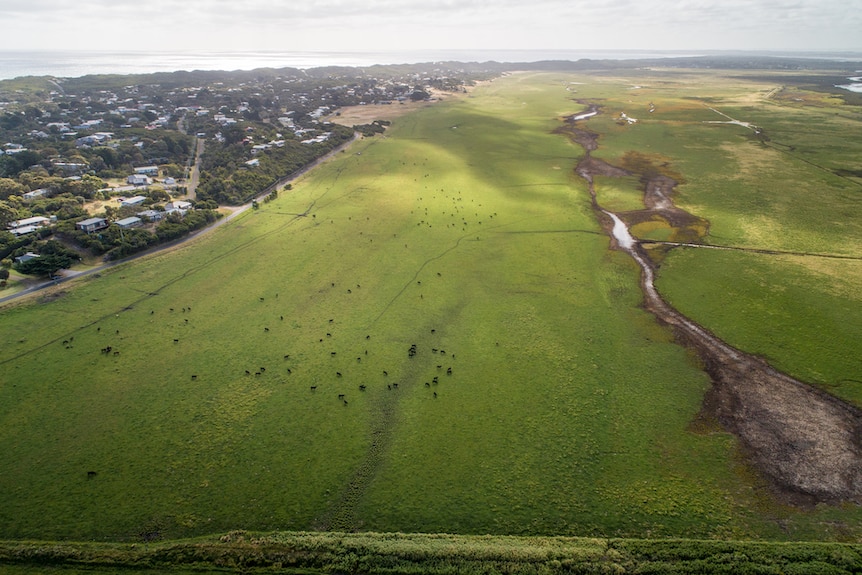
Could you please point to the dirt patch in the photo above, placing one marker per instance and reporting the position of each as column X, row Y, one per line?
column 52, row 295
column 358, row 115
column 595, row 167
column 806, row 443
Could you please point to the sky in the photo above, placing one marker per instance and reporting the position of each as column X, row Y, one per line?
column 391, row 25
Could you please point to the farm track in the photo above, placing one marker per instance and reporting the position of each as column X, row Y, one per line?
column 804, row 441
column 342, row 515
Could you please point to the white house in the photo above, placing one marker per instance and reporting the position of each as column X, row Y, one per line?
column 178, row 206
column 151, row 215
column 26, row 258
column 148, row 170
column 23, row 230
column 129, row 222
column 28, row 196
column 139, row 180
column 35, row 221
column 133, row 201
column 92, row 225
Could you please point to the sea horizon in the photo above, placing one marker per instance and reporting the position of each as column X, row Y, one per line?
column 77, row 63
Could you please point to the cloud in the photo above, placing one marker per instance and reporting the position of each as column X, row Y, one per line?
column 372, row 24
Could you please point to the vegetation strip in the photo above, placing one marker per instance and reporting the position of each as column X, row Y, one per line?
column 751, row 250
column 397, row 553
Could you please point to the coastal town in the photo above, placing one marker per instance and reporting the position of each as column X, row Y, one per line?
column 100, row 167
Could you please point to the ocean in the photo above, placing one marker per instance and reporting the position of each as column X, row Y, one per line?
column 72, row 64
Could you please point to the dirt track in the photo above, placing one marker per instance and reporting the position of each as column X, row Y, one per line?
column 805, row 442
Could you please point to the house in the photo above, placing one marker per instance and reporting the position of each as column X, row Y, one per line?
column 94, row 139
column 29, row 196
column 151, row 215
column 35, row 221
column 23, row 230
column 133, row 201
column 253, row 163
column 129, row 222
column 139, row 180
column 26, row 258
column 71, row 167
column 28, row 225
column 92, row 225
column 169, row 181
column 178, row 206
column 148, row 170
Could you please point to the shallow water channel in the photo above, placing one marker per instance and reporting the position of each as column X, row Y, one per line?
column 806, row 443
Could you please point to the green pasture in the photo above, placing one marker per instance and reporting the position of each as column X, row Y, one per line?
column 804, row 321
column 230, row 397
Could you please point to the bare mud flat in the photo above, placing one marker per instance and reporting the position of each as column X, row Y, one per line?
column 805, row 442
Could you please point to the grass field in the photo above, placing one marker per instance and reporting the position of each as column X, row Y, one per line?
column 231, row 397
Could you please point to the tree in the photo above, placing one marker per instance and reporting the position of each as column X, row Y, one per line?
column 44, row 265
column 419, row 94
column 7, row 213
column 159, row 195
column 9, row 187
column 173, row 170
column 53, row 257
column 19, row 162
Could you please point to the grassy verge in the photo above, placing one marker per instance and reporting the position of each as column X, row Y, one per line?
column 397, row 553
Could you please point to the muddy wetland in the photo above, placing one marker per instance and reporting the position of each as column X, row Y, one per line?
column 805, row 441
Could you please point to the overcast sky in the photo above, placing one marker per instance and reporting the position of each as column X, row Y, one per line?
column 370, row 25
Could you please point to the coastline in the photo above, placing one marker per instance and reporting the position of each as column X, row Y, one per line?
column 77, row 63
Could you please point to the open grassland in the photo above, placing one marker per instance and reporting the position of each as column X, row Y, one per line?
column 262, row 376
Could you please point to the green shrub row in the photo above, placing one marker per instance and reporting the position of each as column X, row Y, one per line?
column 397, row 553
